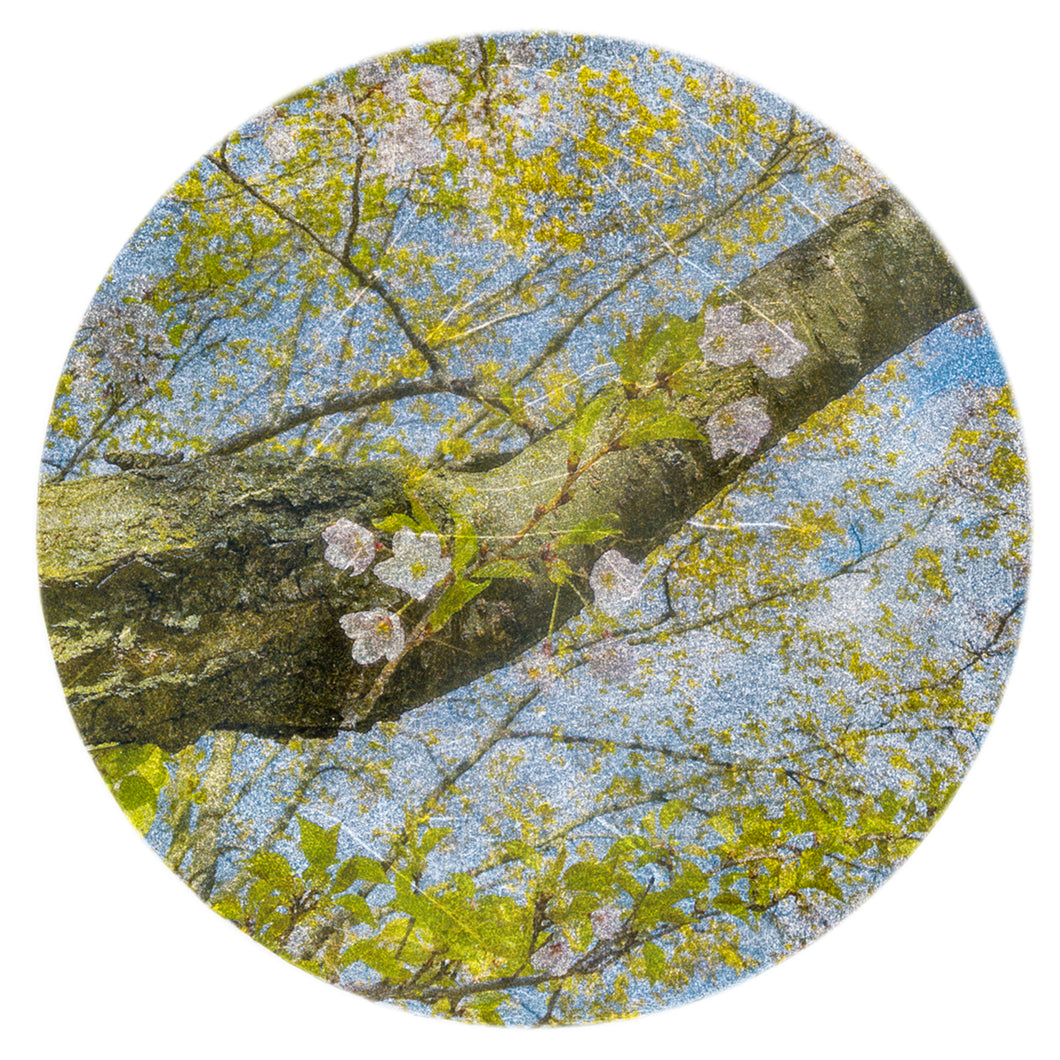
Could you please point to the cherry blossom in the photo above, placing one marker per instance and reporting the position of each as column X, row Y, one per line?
column 81, row 367
column 125, row 328
column 350, row 546
column 521, row 53
column 555, row 957
column 778, row 350
column 606, row 922
column 616, row 583
column 397, row 89
column 722, row 338
column 374, row 634
column 727, row 341
column 541, row 668
column 334, row 104
column 865, row 179
column 279, row 142
column 738, row 428
column 407, row 144
column 611, row 660
column 970, row 325
column 417, row 564
column 370, row 72
column 437, row 85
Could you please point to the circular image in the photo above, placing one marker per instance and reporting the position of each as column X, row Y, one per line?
column 533, row 529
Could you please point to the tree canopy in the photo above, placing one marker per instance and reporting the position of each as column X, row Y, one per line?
column 533, row 528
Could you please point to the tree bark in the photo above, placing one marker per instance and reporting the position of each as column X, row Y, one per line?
column 187, row 598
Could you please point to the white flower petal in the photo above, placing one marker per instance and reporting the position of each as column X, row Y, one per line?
column 417, row 564
column 738, row 428
column 616, row 583
column 606, row 922
column 555, row 957
column 779, row 351
column 350, row 546
column 374, row 634
column 727, row 342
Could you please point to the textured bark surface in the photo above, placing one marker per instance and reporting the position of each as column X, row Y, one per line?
column 185, row 598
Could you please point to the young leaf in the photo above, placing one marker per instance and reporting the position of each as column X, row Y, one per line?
column 503, row 568
column 589, row 531
column 673, row 811
column 318, row 844
column 655, row 962
column 559, row 571
column 465, row 544
column 455, row 597
column 524, row 853
column 355, row 904
column 669, row 425
column 578, row 432
column 392, row 523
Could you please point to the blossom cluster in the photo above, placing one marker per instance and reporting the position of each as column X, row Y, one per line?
column 408, row 144
column 557, row 958
column 279, row 141
column 126, row 332
column 728, row 341
column 417, row 565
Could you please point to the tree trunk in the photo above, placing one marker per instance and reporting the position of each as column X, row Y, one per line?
column 194, row 597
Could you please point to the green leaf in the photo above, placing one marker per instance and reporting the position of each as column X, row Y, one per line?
column 673, row 811
column 828, row 885
column 392, row 523
column 378, row 959
column 589, row 531
column 655, row 962
column 484, row 1008
column 503, row 568
column 455, row 597
column 669, row 425
column 589, row 876
column 523, row 852
column 727, row 902
column 345, row 875
column 134, row 792
column 369, row 870
column 273, row 869
column 431, row 838
column 465, row 544
column 319, row 845
column 229, row 908
column 420, row 513
column 356, row 905
column 724, row 826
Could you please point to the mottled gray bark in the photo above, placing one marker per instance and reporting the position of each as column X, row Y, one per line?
column 192, row 597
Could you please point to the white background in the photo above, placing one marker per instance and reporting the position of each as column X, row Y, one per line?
column 105, row 104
